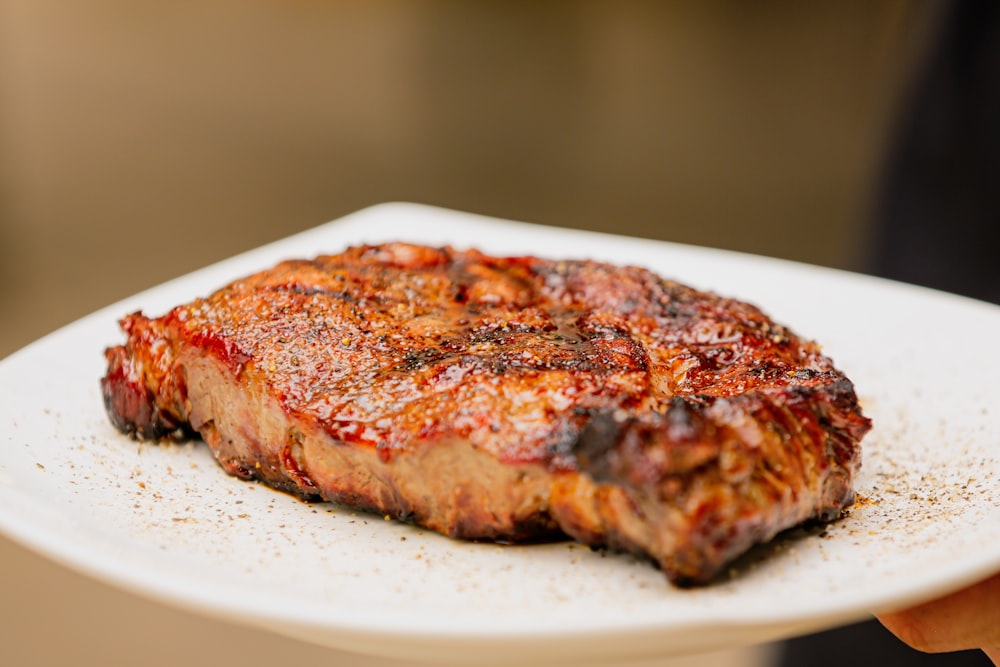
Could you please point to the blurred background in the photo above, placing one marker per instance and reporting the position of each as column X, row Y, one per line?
column 139, row 141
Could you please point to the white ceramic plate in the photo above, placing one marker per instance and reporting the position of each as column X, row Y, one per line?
column 166, row 522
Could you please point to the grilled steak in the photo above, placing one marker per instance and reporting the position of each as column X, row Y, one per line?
column 504, row 399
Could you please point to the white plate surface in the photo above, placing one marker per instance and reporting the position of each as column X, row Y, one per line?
column 167, row 523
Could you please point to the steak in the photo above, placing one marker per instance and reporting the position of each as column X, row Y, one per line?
column 504, row 398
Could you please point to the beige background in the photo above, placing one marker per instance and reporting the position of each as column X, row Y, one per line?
column 140, row 141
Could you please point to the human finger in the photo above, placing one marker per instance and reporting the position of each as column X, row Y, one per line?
column 969, row 618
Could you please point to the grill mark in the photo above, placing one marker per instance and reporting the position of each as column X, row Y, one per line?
column 312, row 290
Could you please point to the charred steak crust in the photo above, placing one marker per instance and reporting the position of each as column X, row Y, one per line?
column 504, row 398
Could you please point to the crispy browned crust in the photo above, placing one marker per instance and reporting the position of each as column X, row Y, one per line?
column 504, row 398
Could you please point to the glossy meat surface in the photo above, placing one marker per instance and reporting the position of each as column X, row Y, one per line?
column 504, row 398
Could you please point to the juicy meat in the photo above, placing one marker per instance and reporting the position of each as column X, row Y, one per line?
column 504, row 398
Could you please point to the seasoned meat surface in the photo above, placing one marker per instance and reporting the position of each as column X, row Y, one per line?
column 504, row 398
